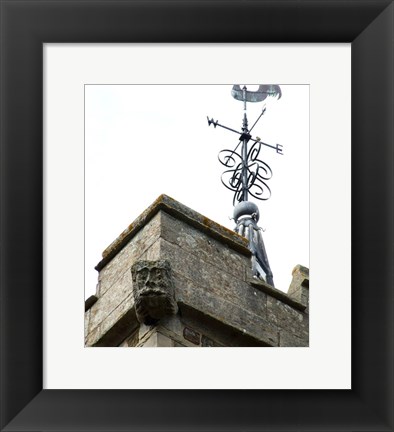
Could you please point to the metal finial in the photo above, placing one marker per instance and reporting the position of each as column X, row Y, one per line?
column 247, row 174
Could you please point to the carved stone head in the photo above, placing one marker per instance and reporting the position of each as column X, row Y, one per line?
column 153, row 290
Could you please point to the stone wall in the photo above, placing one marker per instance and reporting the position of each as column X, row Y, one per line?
column 218, row 302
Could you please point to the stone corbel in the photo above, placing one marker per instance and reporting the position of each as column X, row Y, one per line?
column 153, row 291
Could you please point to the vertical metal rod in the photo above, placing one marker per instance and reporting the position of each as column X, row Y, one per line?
column 245, row 161
column 244, row 151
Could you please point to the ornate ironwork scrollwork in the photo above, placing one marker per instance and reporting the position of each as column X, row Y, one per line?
column 257, row 173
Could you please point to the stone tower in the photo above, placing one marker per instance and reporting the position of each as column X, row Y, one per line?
column 174, row 278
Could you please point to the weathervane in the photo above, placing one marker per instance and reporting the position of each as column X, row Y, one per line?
column 247, row 175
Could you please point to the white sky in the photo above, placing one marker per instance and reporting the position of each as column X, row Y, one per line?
column 145, row 140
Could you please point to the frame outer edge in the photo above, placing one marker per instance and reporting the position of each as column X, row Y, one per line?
column 373, row 216
column 50, row 410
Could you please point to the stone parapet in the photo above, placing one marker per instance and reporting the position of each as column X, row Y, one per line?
column 299, row 287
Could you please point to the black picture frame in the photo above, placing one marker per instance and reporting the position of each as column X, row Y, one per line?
column 25, row 26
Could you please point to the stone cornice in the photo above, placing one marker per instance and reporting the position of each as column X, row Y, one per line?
column 182, row 212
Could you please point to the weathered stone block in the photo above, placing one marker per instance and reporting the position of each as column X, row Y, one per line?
column 289, row 339
column 299, row 286
column 286, row 317
column 110, row 300
column 208, row 249
column 156, row 340
column 226, row 312
column 212, row 279
column 87, row 317
column 173, row 327
column 110, row 320
column 93, row 336
column 130, row 253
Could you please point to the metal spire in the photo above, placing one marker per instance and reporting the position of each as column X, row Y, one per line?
column 247, row 175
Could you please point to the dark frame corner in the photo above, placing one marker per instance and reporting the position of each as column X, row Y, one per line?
column 25, row 26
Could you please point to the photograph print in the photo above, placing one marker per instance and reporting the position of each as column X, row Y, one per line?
column 197, row 215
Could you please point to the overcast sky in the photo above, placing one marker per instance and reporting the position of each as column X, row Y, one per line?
column 143, row 141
